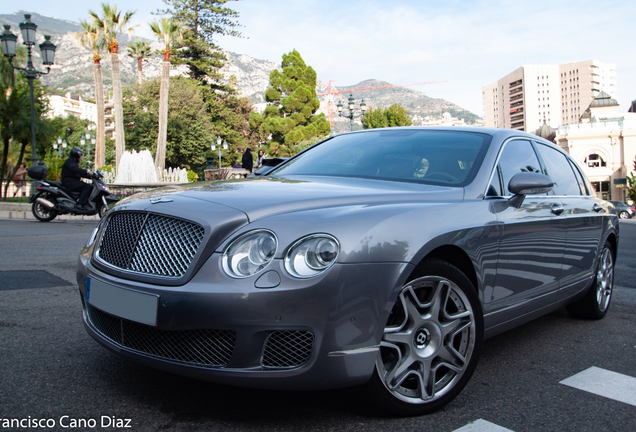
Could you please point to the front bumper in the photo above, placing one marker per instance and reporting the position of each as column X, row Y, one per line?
column 310, row 334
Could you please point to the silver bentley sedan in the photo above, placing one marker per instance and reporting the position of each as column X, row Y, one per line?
column 380, row 259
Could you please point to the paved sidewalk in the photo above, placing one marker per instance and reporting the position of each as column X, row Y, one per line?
column 10, row 210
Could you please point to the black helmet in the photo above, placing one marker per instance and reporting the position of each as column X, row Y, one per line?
column 76, row 153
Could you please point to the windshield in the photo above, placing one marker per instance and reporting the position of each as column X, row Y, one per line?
column 417, row 155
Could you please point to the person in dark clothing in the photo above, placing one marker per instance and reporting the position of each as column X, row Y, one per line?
column 247, row 162
column 72, row 174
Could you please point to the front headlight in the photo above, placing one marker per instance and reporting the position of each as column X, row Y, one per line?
column 250, row 253
column 312, row 255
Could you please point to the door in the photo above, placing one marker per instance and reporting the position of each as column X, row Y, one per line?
column 532, row 242
column 583, row 216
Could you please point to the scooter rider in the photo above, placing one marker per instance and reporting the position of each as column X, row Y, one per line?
column 71, row 175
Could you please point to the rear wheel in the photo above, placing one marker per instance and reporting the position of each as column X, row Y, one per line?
column 431, row 342
column 597, row 300
column 624, row 215
column 42, row 212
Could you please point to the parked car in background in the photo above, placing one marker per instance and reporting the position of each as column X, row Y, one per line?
column 624, row 210
column 353, row 263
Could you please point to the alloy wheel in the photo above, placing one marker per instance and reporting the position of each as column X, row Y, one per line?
column 428, row 341
column 604, row 279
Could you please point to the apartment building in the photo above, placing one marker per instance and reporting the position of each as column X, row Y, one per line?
column 556, row 94
column 62, row 106
column 581, row 83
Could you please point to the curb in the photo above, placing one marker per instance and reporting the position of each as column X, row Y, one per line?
column 23, row 211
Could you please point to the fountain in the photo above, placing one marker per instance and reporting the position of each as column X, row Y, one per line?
column 136, row 168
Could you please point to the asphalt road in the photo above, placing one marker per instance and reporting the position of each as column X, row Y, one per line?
column 51, row 370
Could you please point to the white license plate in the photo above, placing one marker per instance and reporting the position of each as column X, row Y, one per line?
column 121, row 302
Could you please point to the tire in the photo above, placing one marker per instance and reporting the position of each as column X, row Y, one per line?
column 595, row 304
column 624, row 215
column 431, row 342
column 42, row 213
column 103, row 210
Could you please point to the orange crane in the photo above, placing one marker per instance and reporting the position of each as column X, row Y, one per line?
column 331, row 92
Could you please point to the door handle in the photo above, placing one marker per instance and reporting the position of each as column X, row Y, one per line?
column 557, row 209
column 597, row 208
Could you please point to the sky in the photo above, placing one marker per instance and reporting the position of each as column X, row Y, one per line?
column 457, row 47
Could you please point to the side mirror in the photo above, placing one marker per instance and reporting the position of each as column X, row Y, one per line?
column 528, row 183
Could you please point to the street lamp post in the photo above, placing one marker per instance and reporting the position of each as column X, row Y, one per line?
column 218, row 143
column 47, row 50
column 351, row 106
column 88, row 139
column 59, row 144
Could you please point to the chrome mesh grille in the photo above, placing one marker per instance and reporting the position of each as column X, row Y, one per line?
column 204, row 347
column 150, row 244
column 287, row 349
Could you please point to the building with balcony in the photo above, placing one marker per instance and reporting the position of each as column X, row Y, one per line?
column 445, row 120
column 109, row 118
column 63, row 106
column 556, row 94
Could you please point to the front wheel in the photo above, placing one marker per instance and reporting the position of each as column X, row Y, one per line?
column 597, row 300
column 431, row 342
column 103, row 210
column 42, row 212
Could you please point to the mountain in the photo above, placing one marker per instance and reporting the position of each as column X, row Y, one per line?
column 46, row 25
column 73, row 72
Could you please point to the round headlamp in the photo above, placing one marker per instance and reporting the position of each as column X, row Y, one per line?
column 312, row 255
column 250, row 253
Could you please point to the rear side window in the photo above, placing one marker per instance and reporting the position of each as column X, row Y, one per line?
column 579, row 178
column 558, row 168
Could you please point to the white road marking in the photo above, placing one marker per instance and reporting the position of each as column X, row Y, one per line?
column 482, row 426
column 605, row 383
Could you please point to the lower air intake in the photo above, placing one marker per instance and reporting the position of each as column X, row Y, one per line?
column 287, row 349
column 203, row 347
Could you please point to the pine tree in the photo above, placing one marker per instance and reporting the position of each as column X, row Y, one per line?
column 203, row 21
column 291, row 117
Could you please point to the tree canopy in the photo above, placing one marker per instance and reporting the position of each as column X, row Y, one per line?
column 189, row 130
column 395, row 115
column 291, row 117
column 203, row 21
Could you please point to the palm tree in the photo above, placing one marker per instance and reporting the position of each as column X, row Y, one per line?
column 140, row 50
column 168, row 31
column 91, row 38
column 111, row 25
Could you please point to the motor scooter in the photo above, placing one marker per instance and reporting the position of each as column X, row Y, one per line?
column 51, row 198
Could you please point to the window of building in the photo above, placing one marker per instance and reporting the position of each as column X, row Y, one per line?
column 594, row 161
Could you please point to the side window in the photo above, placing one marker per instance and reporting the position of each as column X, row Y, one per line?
column 495, row 190
column 558, row 168
column 517, row 156
column 579, row 179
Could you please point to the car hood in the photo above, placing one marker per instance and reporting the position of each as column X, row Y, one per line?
column 260, row 198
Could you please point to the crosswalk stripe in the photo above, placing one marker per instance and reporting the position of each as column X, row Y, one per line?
column 605, row 383
column 482, row 426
